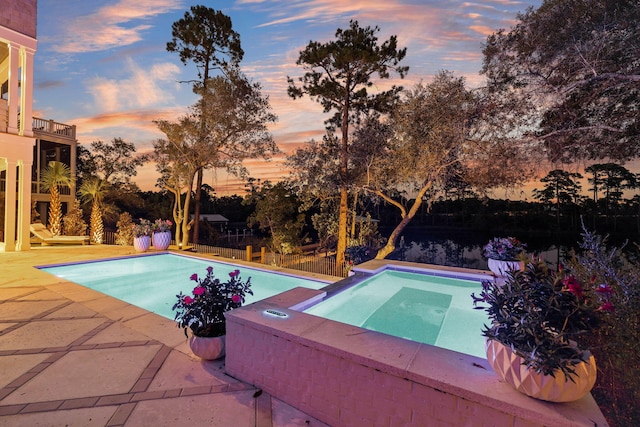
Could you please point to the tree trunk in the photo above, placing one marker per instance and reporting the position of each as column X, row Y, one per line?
column 185, row 218
column 55, row 211
column 196, row 208
column 342, row 227
column 344, row 168
column 392, row 241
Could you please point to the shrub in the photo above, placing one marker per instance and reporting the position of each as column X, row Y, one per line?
column 616, row 346
column 124, row 230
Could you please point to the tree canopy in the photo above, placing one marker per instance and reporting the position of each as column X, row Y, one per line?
column 227, row 125
column 574, row 65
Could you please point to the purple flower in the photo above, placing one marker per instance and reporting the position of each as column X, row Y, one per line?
column 194, row 277
column 209, row 269
column 234, row 273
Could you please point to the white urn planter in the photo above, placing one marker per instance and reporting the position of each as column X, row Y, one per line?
column 558, row 388
column 207, row 348
column 500, row 267
column 161, row 240
column 142, row 243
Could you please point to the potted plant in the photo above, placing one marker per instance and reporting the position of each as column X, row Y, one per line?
column 537, row 318
column 202, row 312
column 502, row 255
column 161, row 234
column 142, row 235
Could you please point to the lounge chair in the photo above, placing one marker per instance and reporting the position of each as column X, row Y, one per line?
column 42, row 233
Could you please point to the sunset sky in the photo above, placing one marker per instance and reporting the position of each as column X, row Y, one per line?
column 103, row 65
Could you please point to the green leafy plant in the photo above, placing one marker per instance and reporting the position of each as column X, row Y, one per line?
column 541, row 314
column 143, row 228
column 161, row 225
column 203, row 310
column 504, row 248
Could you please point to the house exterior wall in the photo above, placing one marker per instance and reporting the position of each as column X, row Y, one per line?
column 20, row 16
column 18, row 47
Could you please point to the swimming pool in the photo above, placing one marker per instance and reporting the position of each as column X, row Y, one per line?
column 425, row 308
column 153, row 281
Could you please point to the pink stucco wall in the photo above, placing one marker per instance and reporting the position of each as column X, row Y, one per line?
column 347, row 376
column 20, row 16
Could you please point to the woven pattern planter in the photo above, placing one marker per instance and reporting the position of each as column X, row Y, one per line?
column 142, row 243
column 207, row 348
column 161, row 240
column 509, row 367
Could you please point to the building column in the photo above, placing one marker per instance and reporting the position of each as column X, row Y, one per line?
column 26, row 91
column 24, row 207
column 9, row 208
column 13, row 95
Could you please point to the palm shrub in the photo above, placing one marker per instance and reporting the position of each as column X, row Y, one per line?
column 74, row 224
column 93, row 190
column 124, row 229
column 55, row 175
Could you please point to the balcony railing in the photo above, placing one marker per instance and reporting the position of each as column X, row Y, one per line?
column 54, row 128
column 36, row 188
column 44, row 126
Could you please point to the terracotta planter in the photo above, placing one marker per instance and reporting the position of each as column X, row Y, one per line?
column 500, row 268
column 509, row 367
column 207, row 348
column 161, row 240
column 142, row 243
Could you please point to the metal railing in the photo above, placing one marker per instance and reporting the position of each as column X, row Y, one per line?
column 309, row 263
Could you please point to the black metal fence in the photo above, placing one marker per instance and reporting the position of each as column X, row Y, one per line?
column 320, row 264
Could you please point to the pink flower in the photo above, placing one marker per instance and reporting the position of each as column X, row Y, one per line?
column 209, row 269
column 573, row 286
column 604, row 289
column 194, row 277
column 188, row 300
column 607, row 306
column 235, row 299
column 234, row 273
column 198, row 290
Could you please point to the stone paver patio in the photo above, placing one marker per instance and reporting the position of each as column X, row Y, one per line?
column 70, row 356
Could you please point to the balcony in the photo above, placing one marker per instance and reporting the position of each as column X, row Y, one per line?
column 43, row 128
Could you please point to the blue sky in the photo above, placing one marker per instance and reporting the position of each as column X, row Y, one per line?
column 103, row 65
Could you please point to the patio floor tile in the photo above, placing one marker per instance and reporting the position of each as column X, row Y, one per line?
column 180, row 370
column 17, row 310
column 85, row 417
column 52, row 333
column 72, row 310
column 220, row 409
column 12, row 367
column 116, row 333
column 87, row 373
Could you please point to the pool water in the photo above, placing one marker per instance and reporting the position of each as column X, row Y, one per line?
column 420, row 307
column 153, row 281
